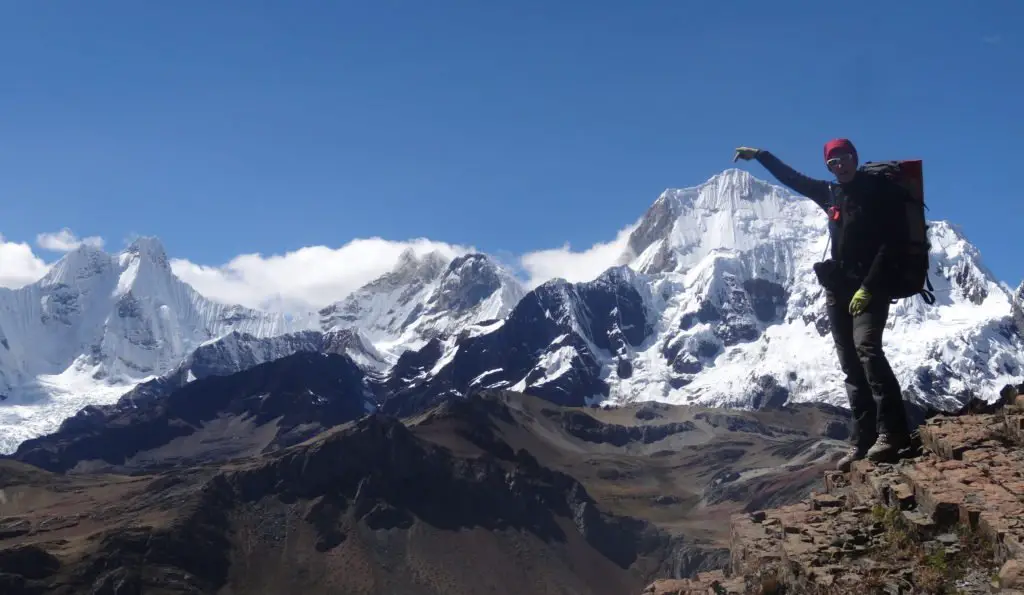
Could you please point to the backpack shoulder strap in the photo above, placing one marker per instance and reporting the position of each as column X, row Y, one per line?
column 832, row 203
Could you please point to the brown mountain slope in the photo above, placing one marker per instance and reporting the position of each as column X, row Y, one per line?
column 496, row 494
column 946, row 521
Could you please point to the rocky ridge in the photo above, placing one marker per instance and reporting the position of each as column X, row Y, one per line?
column 391, row 509
column 949, row 520
column 218, row 487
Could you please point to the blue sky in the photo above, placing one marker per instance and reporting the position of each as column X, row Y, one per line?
column 235, row 126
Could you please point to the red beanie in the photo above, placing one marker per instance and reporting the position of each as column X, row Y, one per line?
column 840, row 145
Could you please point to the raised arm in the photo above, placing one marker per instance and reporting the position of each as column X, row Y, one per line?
column 816, row 190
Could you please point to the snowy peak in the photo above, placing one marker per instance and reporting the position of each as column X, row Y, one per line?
column 425, row 297
column 469, row 281
column 957, row 272
column 78, row 266
column 411, row 270
column 148, row 251
column 733, row 212
column 382, row 307
column 97, row 324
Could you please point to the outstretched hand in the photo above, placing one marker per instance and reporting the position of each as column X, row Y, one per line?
column 745, row 153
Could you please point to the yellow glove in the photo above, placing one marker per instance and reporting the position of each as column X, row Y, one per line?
column 860, row 301
column 745, row 153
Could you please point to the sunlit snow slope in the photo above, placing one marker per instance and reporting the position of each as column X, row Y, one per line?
column 719, row 305
column 423, row 298
column 97, row 324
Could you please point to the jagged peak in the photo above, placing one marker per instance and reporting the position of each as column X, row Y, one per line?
column 617, row 274
column 729, row 187
column 731, row 210
column 949, row 240
column 946, row 230
column 478, row 262
column 472, row 257
column 733, row 177
column 83, row 262
column 147, row 249
column 423, row 266
column 410, row 257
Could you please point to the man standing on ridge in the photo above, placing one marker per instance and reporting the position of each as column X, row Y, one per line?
column 864, row 214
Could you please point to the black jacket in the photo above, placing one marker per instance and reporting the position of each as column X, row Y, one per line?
column 870, row 224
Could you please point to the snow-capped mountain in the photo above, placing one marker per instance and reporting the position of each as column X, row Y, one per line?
column 425, row 297
column 95, row 325
column 99, row 324
column 715, row 302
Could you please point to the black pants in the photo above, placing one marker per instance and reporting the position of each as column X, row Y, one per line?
column 874, row 392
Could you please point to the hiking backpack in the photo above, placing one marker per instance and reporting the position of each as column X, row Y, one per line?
column 909, row 274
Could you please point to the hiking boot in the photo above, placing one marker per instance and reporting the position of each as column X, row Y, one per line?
column 887, row 448
column 854, row 454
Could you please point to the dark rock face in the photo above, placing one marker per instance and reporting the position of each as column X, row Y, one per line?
column 656, row 223
column 413, row 364
column 587, row 428
column 734, row 423
column 768, row 394
column 29, row 561
column 837, row 430
column 970, row 282
column 237, row 352
column 737, row 311
column 819, row 319
column 768, row 299
column 609, row 311
column 690, row 560
column 468, row 280
column 317, row 390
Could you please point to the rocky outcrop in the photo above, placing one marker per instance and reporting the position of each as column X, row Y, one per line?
column 587, row 428
column 946, row 520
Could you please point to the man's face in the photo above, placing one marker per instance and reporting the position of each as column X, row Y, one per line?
column 843, row 166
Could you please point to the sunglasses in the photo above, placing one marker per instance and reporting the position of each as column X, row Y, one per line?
column 837, row 160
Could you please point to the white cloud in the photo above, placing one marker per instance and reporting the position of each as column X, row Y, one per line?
column 18, row 265
column 575, row 267
column 65, row 241
column 313, row 277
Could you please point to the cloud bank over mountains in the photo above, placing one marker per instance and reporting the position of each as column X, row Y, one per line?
column 312, row 276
